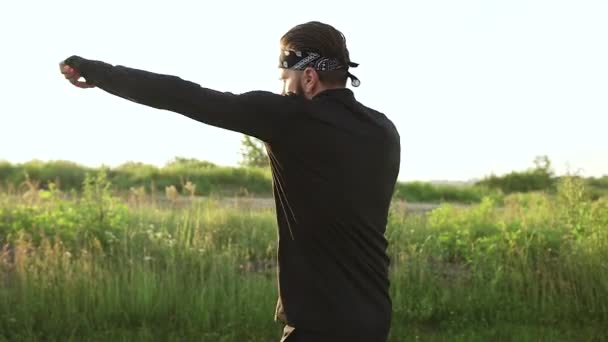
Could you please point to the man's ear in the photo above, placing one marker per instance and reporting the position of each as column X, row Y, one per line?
column 310, row 79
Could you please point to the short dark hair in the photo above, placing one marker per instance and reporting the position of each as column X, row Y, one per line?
column 324, row 39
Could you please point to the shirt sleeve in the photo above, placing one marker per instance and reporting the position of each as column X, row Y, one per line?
column 264, row 115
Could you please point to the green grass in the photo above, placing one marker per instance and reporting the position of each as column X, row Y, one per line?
column 500, row 332
column 95, row 268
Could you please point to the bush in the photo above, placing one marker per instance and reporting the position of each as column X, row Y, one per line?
column 539, row 178
column 598, row 187
column 427, row 192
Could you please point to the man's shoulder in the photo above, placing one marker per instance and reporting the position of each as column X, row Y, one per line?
column 381, row 118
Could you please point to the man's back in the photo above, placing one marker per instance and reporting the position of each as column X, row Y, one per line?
column 333, row 181
column 335, row 164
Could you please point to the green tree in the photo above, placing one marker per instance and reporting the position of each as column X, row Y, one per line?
column 543, row 165
column 539, row 178
column 253, row 152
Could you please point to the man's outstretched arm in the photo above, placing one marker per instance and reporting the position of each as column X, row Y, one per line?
column 261, row 114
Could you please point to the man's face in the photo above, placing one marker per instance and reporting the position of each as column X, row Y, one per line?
column 302, row 83
column 292, row 82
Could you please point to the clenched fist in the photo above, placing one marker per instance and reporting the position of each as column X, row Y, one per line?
column 73, row 75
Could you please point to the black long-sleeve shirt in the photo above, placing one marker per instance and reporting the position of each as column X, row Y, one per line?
column 334, row 165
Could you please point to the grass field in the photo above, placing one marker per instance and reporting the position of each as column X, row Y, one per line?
column 96, row 268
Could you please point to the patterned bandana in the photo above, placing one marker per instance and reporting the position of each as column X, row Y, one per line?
column 300, row 60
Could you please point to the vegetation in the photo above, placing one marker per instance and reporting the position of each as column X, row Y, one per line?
column 598, row 187
column 254, row 178
column 429, row 193
column 539, row 178
column 205, row 178
column 97, row 267
column 253, row 153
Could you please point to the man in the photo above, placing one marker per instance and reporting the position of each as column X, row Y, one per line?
column 334, row 165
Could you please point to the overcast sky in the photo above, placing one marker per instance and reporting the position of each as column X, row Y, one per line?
column 474, row 87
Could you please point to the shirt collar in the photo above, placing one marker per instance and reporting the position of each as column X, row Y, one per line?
column 335, row 92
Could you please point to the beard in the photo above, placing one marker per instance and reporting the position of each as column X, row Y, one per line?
column 300, row 88
column 297, row 87
column 298, row 91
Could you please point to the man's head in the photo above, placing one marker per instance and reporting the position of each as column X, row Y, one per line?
column 314, row 57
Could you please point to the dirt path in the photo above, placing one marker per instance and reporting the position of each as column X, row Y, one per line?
column 267, row 203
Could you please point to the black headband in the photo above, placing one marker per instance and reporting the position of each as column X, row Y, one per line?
column 300, row 60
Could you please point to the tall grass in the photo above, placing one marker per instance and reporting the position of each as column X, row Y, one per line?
column 97, row 268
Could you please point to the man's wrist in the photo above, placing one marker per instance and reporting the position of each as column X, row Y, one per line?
column 83, row 66
column 74, row 61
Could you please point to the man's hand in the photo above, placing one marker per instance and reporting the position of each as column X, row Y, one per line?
column 73, row 76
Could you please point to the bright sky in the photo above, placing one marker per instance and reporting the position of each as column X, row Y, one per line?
column 474, row 87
